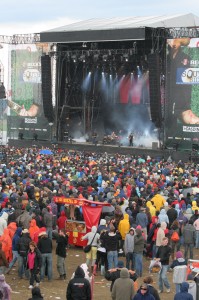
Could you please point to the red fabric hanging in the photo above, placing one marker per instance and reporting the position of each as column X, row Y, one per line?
column 91, row 215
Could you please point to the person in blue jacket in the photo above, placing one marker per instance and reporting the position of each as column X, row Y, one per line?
column 183, row 294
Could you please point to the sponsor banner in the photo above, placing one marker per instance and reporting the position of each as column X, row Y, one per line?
column 187, row 76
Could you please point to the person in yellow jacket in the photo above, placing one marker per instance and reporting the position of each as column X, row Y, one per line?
column 124, row 227
column 194, row 206
column 158, row 201
column 151, row 208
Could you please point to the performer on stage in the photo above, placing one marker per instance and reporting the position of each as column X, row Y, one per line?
column 131, row 139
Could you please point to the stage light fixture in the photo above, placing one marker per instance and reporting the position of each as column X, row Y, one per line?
column 74, row 58
column 84, row 45
column 105, row 57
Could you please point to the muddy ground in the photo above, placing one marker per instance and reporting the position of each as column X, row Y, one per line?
column 56, row 289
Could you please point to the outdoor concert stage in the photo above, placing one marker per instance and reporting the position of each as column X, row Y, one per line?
column 153, row 153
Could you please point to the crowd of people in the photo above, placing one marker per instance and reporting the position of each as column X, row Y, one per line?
column 154, row 214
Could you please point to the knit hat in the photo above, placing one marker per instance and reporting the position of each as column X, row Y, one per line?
column 179, row 254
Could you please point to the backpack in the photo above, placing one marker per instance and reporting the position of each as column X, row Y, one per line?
column 175, row 236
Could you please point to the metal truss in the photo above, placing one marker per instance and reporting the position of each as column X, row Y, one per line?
column 20, row 39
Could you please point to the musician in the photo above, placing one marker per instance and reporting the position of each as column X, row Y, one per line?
column 131, row 139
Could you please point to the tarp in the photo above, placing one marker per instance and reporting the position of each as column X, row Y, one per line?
column 91, row 215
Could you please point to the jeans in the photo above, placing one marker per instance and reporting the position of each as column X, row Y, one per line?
column 33, row 277
column 130, row 260
column 178, row 285
column 112, row 258
column 163, row 280
column 46, row 262
column 15, row 258
column 197, row 239
column 49, row 232
column 61, row 265
column 22, row 267
column 138, row 263
column 190, row 248
column 2, row 270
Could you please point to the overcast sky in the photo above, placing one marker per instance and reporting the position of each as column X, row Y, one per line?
column 31, row 16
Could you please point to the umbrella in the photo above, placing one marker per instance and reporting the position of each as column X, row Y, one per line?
column 45, row 151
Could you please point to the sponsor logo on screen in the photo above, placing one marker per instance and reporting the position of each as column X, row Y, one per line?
column 30, row 120
column 187, row 76
column 190, row 129
column 32, row 75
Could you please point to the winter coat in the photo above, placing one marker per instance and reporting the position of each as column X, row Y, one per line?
column 79, row 287
column 123, row 287
column 23, row 244
column 158, row 201
column 16, row 238
column 180, row 269
column 37, row 260
column 113, row 275
column 142, row 220
column 160, row 234
column 47, row 218
column 124, row 226
column 33, row 228
column 45, row 244
column 162, row 217
column 129, row 243
column 183, row 294
column 164, row 253
column 153, row 292
column 138, row 242
column 172, row 215
column 24, row 220
column 89, row 236
column 146, row 296
column 3, row 222
column 61, row 222
column 62, row 243
column 189, row 234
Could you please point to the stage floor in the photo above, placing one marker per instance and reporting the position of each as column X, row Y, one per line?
column 153, row 153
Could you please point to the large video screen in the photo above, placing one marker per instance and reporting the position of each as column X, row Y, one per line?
column 22, row 109
column 182, row 90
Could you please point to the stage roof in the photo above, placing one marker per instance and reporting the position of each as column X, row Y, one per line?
column 129, row 28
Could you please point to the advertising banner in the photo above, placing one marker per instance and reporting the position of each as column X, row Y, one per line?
column 182, row 90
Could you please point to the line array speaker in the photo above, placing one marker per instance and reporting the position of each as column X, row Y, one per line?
column 47, row 87
column 154, row 89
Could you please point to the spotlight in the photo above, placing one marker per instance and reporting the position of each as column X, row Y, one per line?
column 83, row 58
column 105, row 57
column 74, row 58
column 84, row 45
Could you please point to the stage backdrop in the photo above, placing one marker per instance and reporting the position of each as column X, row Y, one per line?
column 182, row 91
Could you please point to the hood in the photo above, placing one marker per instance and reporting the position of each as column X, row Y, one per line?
column 102, row 222
column 163, row 211
column 194, row 203
column 153, row 219
column 36, row 292
column 93, row 229
column 132, row 229
column 18, row 231
column 79, row 272
column 148, row 204
column 163, row 225
column 184, row 287
column 63, row 213
column 33, row 223
column 138, row 232
column 126, row 217
column 124, row 273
